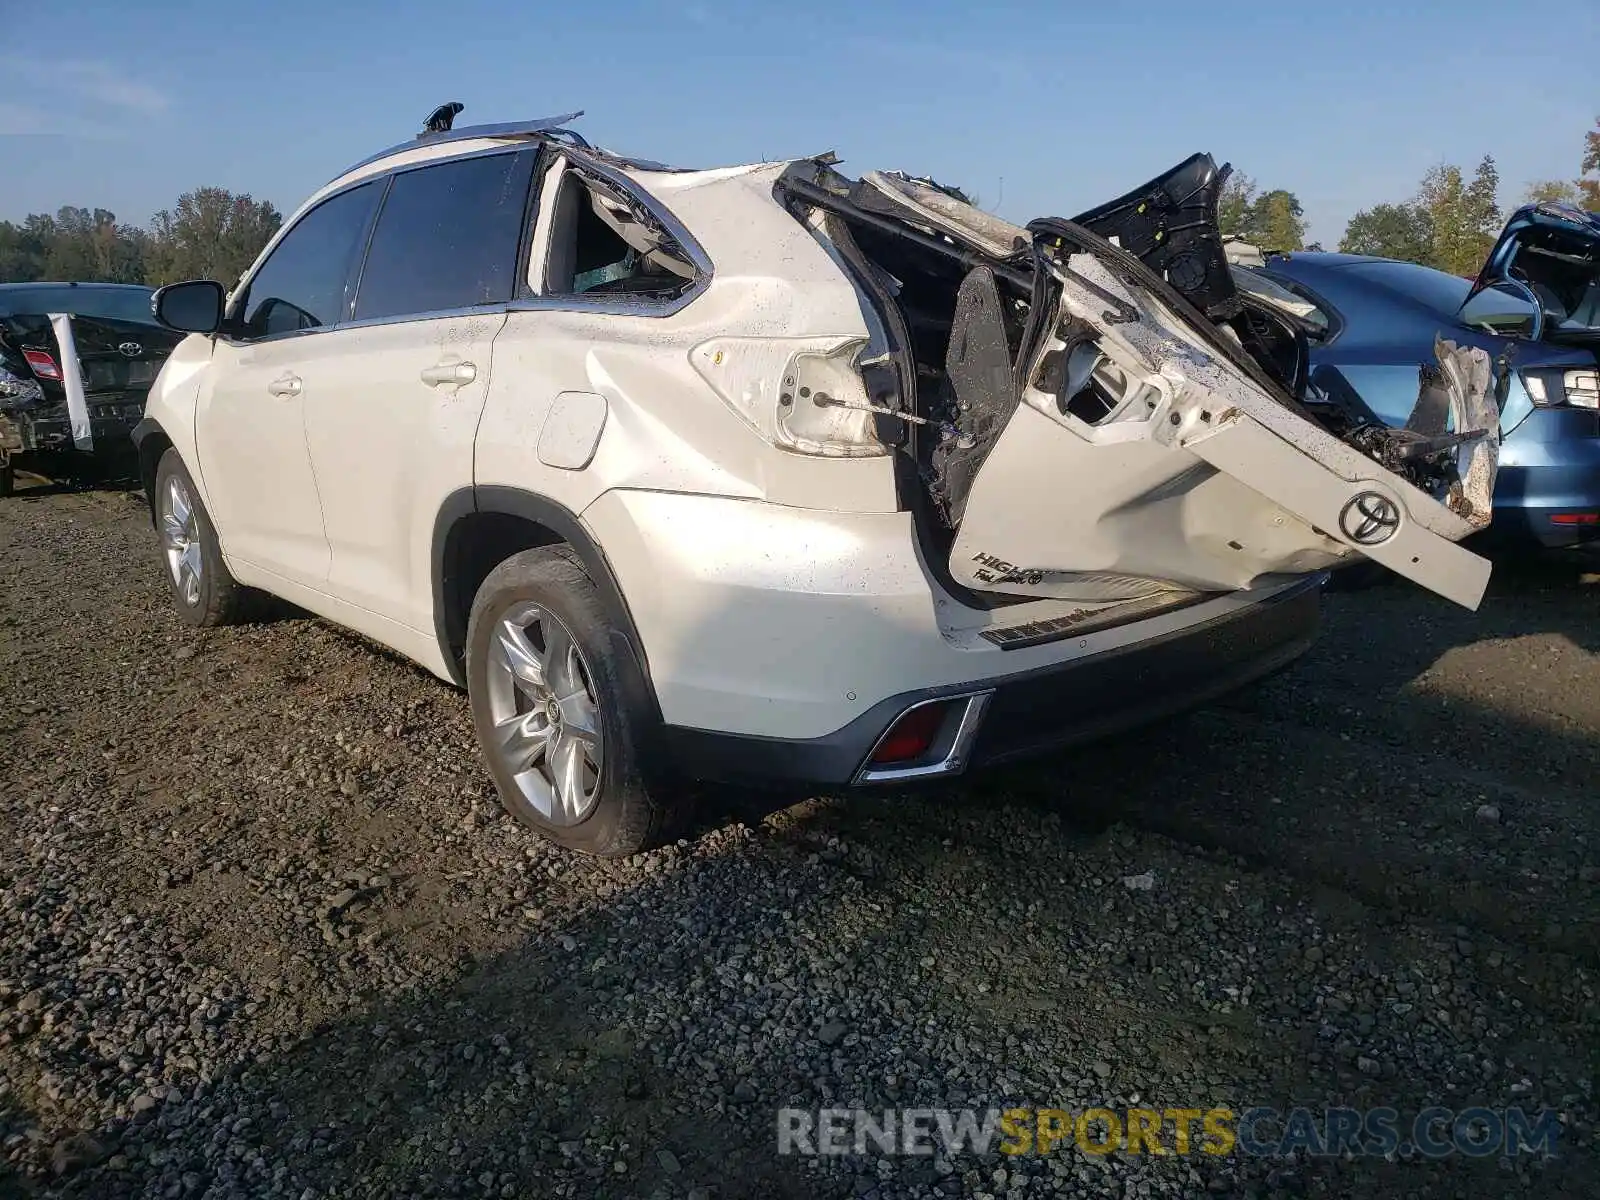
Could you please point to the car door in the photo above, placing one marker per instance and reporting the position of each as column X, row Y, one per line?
column 393, row 435
column 1146, row 457
column 272, row 360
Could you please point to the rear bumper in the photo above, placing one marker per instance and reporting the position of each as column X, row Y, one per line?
column 111, row 423
column 1548, row 487
column 1557, row 527
column 1032, row 712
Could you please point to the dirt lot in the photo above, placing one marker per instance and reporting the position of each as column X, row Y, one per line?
column 263, row 930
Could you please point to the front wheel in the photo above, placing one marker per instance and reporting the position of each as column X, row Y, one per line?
column 202, row 587
column 550, row 695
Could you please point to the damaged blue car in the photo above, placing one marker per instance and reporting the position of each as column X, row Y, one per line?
column 1371, row 324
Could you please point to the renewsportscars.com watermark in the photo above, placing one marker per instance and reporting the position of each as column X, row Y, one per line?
column 1259, row 1132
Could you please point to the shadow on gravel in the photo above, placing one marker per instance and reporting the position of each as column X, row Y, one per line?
column 47, row 489
column 75, row 476
column 15, row 1116
column 1385, row 766
column 548, row 1063
column 994, row 957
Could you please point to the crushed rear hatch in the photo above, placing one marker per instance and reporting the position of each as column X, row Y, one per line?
column 1116, row 425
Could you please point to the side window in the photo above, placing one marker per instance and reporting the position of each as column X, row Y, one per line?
column 605, row 242
column 447, row 237
column 302, row 283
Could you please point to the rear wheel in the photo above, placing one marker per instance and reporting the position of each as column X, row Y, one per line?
column 8, row 476
column 550, row 695
column 202, row 588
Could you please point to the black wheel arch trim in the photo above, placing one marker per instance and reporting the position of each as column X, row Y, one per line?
column 138, row 435
column 448, row 601
column 145, row 427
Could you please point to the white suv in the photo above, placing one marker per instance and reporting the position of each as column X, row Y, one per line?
column 764, row 473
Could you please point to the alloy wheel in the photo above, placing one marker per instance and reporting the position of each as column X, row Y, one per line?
column 180, row 538
column 545, row 723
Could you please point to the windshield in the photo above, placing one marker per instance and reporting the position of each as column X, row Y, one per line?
column 1435, row 289
column 81, row 300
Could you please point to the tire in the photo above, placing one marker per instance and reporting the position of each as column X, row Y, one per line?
column 203, row 591
column 8, row 478
column 543, row 716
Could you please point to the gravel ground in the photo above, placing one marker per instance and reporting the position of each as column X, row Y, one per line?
column 266, row 932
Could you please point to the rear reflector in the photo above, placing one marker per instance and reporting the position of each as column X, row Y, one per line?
column 43, row 365
column 1575, row 519
column 912, row 736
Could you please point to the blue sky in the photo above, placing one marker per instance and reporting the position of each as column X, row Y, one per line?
column 1041, row 108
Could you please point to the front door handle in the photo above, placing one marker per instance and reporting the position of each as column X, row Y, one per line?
column 285, row 385
column 457, row 373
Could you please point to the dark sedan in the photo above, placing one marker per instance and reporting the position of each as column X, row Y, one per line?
column 85, row 395
column 1372, row 323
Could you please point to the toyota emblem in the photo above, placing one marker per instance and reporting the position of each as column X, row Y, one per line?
column 1370, row 519
column 130, row 349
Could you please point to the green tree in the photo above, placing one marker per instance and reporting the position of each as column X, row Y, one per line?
column 78, row 244
column 1272, row 220
column 71, row 251
column 1277, row 222
column 1234, row 204
column 1403, row 231
column 89, row 245
column 25, row 247
column 1588, row 188
column 1465, row 215
column 1553, row 191
column 209, row 234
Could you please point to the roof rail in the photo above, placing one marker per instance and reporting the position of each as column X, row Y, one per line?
column 506, row 129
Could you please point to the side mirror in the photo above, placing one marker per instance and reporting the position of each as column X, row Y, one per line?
column 1507, row 307
column 192, row 307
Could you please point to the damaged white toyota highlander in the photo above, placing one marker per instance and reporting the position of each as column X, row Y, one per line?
column 767, row 473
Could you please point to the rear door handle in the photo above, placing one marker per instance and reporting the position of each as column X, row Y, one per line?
column 285, row 385
column 442, row 374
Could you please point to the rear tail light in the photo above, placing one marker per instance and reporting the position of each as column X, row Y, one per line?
column 1586, row 518
column 1575, row 389
column 42, row 364
column 804, row 394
